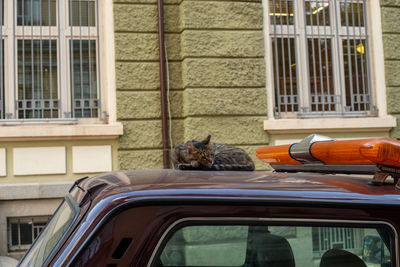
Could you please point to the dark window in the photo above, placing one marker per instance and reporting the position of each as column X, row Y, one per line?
column 272, row 245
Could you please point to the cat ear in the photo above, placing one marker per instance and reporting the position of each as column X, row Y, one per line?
column 189, row 146
column 207, row 140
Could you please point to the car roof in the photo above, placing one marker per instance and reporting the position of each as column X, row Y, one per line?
column 237, row 186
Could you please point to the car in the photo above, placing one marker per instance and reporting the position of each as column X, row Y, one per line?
column 289, row 217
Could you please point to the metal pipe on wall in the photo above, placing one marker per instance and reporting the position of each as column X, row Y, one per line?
column 163, row 83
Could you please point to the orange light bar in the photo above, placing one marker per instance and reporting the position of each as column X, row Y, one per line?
column 276, row 155
column 384, row 151
column 346, row 152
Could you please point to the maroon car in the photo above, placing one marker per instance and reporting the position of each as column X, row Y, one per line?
column 199, row 218
column 158, row 218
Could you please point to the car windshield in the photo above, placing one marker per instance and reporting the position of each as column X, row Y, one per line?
column 49, row 237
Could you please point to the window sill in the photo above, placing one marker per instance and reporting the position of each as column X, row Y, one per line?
column 324, row 125
column 34, row 190
column 40, row 131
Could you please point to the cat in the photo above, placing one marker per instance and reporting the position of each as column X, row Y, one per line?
column 205, row 155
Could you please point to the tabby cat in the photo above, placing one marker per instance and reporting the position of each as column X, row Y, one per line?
column 204, row 155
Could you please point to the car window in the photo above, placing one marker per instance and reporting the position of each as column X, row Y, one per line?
column 50, row 236
column 276, row 245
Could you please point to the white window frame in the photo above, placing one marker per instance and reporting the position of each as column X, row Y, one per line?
column 383, row 122
column 93, row 128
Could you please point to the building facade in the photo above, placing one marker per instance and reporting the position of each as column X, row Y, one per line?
column 80, row 92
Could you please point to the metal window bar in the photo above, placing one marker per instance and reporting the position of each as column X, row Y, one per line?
column 283, row 36
column 36, row 98
column 84, row 59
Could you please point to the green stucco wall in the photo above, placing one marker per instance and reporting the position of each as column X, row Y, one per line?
column 216, row 75
column 390, row 11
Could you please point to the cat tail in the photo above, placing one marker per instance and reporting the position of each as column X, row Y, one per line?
column 232, row 167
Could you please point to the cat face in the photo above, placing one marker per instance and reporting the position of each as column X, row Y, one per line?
column 201, row 152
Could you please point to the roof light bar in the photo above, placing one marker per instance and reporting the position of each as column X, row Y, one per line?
column 324, row 150
column 378, row 156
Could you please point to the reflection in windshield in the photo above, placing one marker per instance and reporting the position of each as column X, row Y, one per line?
column 49, row 237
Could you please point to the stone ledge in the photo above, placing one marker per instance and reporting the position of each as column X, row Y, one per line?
column 34, row 190
column 320, row 125
column 60, row 132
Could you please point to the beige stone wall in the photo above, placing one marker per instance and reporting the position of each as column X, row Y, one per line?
column 216, row 75
column 68, row 160
column 390, row 10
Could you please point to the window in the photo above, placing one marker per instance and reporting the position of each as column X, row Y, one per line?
column 49, row 59
column 22, row 231
column 327, row 238
column 274, row 245
column 320, row 58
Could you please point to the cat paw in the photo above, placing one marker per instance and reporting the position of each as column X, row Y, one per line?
column 195, row 164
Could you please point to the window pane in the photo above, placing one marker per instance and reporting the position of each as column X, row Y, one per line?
column 317, row 13
column 84, row 79
column 273, row 245
column 322, row 96
column 281, row 12
column 36, row 12
column 83, row 12
column 38, row 227
column 356, row 78
column 14, row 234
column 351, row 14
column 207, row 246
column 285, row 77
column 26, row 233
column 37, row 79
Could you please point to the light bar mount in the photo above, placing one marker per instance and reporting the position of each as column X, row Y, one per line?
column 302, row 151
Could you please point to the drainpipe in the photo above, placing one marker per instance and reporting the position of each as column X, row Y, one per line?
column 163, row 83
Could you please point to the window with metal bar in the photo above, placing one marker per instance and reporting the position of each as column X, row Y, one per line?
column 54, row 68
column 23, row 231
column 325, row 238
column 320, row 58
